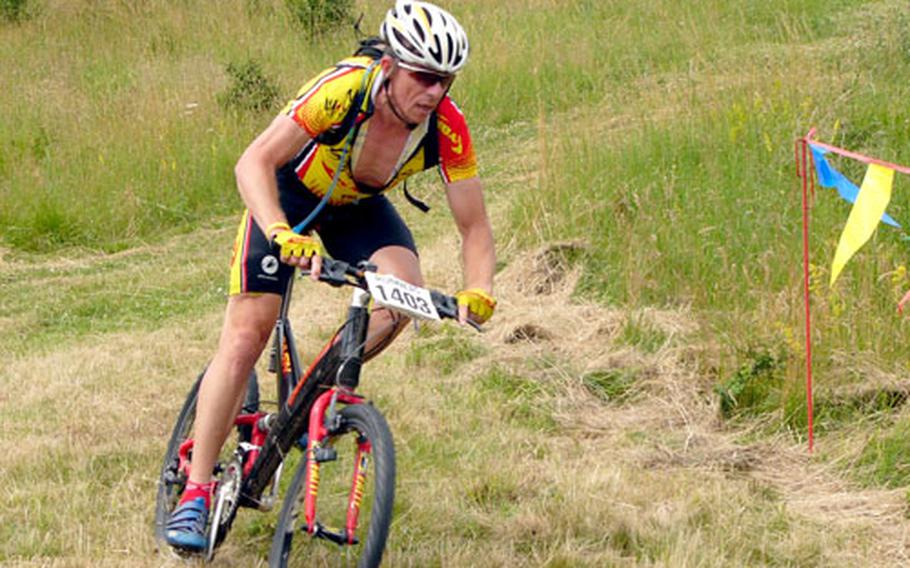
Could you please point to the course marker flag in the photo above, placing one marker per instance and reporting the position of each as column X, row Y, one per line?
column 869, row 203
column 829, row 177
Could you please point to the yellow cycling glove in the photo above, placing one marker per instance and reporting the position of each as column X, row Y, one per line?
column 294, row 244
column 480, row 304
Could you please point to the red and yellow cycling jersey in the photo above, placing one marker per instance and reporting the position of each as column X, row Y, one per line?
column 323, row 103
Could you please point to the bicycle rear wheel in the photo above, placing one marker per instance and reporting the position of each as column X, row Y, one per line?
column 171, row 481
column 359, row 423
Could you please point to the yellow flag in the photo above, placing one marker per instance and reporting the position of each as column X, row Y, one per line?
column 871, row 203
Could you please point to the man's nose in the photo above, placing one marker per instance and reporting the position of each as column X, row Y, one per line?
column 436, row 89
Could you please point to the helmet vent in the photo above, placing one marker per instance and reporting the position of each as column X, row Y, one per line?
column 405, row 43
column 436, row 53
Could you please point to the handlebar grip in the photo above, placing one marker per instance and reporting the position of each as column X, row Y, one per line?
column 447, row 307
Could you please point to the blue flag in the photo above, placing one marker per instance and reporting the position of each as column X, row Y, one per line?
column 829, row 177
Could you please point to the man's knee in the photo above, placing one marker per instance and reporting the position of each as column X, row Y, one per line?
column 245, row 337
column 390, row 321
column 399, row 262
column 247, row 327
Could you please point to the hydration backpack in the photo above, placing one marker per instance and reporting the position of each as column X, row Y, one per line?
column 375, row 48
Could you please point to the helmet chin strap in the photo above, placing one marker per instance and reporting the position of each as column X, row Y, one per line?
column 388, row 97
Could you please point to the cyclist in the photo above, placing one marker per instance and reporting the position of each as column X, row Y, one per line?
column 378, row 121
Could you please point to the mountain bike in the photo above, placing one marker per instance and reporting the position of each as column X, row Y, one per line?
column 347, row 456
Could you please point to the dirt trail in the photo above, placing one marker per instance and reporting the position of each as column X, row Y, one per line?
column 653, row 410
column 537, row 318
column 672, row 400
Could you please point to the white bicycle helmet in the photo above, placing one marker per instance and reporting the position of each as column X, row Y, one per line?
column 425, row 35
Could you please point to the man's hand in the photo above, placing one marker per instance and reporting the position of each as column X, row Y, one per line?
column 476, row 304
column 298, row 250
column 904, row 300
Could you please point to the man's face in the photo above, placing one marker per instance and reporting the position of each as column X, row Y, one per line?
column 417, row 91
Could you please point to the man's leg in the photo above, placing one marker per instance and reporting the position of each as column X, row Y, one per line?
column 247, row 325
column 385, row 325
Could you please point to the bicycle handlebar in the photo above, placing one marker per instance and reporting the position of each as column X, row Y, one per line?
column 339, row 273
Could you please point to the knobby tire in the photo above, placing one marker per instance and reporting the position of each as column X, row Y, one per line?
column 290, row 535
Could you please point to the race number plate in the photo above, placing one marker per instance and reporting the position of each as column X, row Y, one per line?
column 401, row 296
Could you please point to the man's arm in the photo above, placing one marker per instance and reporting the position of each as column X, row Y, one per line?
column 255, row 170
column 477, row 248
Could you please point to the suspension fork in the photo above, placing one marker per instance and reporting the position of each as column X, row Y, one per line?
column 316, row 453
column 353, row 340
column 323, row 417
column 358, row 481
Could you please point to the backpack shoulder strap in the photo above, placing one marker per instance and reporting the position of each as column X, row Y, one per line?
column 335, row 135
column 374, row 48
column 431, row 146
column 371, row 47
column 430, row 159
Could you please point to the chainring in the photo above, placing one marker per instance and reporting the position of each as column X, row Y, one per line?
column 225, row 504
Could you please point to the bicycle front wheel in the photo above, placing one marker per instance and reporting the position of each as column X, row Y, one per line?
column 360, row 423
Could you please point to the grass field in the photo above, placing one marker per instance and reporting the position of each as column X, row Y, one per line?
column 639, row 397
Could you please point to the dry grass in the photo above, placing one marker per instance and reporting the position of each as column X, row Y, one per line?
column 572, row 434
column 648, row 479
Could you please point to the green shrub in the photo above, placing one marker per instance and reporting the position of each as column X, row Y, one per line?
column 250, row 88
column 444, row 349
column 520, row 400
column 641, row 334
column 755, row 388
column 13, row 10
column 316, row 15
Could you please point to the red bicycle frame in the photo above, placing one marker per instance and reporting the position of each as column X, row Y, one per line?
column 256, row 441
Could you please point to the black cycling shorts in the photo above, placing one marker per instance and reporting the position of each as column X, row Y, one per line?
column 349, row 232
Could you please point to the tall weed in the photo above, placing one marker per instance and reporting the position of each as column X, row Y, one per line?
column 318, row 16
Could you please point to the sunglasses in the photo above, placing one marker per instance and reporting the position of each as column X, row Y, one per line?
column 426, row 78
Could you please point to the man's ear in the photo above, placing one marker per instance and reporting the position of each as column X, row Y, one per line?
column 387, row 62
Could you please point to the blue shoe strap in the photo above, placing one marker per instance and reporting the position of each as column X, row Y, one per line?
column 188, row 515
